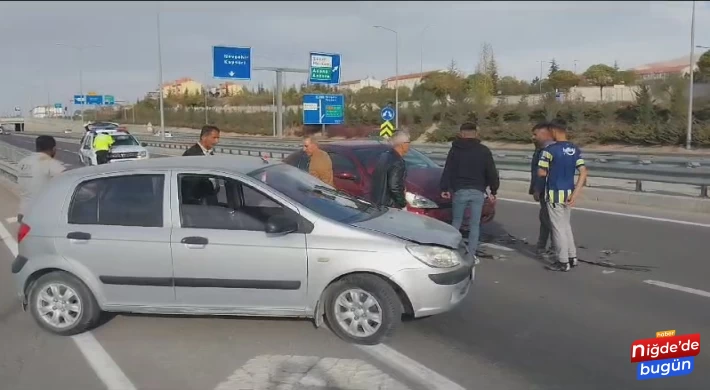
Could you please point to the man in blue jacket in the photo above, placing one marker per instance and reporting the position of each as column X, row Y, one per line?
column 542, row 138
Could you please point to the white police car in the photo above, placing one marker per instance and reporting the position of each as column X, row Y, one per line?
column 125, row 147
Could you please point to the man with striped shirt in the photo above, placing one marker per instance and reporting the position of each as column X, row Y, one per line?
column 558, row 165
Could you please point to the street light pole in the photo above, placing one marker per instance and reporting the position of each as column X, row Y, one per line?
column 80, row 50
column 160, row 80
column 396, row 77
column 689, row 134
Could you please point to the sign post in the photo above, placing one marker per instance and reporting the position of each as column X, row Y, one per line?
column 319, row 109
column 386, row 128
column 324, row 68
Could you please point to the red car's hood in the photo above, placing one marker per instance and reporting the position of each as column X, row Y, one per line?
column 425, row 182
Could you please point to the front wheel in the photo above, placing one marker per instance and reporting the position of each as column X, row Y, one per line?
column 61, row 304
column 363, row 309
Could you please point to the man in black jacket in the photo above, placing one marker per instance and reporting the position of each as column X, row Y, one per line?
column 468, row 171
column 389, row 174
column 209, row 138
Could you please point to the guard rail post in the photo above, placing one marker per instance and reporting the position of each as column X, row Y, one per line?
column 639, row 186
column 704, row 191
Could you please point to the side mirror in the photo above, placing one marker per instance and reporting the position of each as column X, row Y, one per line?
column 346, row 176
column 144, row 144
column 279, row 224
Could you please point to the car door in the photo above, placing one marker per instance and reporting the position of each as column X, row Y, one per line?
column 222, row 257
column 85, row 150
column 116, row 229
column 345, row 174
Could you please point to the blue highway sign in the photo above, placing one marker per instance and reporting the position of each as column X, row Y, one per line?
column 79, row 99
column 387, row 113
column 324, row 68
column 232, row 63
column 319, row 109
column 97, row 100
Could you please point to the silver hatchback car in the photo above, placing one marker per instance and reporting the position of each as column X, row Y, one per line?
column 230, row 235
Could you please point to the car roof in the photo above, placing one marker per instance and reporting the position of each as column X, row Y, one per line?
column 239, row 164
column 356, row 144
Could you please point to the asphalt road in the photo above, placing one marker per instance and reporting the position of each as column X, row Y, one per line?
column 522, row 327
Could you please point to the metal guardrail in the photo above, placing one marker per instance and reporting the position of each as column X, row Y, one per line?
column 639, row 174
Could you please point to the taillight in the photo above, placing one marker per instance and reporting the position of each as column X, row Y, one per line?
column 23, row 232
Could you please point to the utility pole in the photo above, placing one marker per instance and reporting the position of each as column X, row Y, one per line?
column 396, row 77
column 80, row 50
column 160, row 80
column 279, row 93
column 689, row 135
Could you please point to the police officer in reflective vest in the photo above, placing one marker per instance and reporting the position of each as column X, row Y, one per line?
column 102, row 146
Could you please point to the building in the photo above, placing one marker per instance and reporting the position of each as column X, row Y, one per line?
column 182, row 86
column 357, row 85
column 661, row 70
column 408, row 80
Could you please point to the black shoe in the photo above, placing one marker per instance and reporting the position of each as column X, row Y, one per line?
column 573, row 262
column 559, row 266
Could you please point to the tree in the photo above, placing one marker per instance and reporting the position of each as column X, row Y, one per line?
column 563, row 79
column 626, row 77
column 703, row 72
column 601, row 75
column 553, row 68
column 616, row 66
column 493, row 73
column 510, row 86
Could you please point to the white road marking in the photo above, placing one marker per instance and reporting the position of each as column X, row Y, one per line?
column 9, row 240
column 313, row 372
column 496, row 246
column 678, row 288
column 105, row 368
column 11, row 219
column 689, row 223
column 411, row 369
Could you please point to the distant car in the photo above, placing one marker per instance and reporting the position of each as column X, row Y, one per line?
column 125, row 147
column 353, row 164
column 158, row 237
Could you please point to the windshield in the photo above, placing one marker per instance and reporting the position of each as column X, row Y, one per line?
column 414, row 159
column 124, row 140
column 316, row 195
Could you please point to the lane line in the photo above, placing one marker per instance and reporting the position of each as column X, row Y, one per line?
column 637, row 216
column 413, row 370
column 100, row 361
column 9, row 240
column 11, row 219
column 678, row 288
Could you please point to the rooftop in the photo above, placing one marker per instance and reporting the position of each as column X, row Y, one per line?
column 410, row 76
column 236, row 164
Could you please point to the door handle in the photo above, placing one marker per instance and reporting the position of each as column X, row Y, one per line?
column 79, row 236
column 193, row 240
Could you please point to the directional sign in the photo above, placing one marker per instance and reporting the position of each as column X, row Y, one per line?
column 109, row 100
column 387, row 113
column 57, row 105
column 97, row 100
column 323, row 109
column 232, row 63
column 324, row 68
column 386, row 129
column 79, row 99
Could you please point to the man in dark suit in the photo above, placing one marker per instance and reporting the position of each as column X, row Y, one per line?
column 209, row 138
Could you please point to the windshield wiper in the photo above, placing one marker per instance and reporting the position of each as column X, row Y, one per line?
column 335, row 192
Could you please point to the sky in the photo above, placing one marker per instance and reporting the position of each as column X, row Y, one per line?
column 122, row 39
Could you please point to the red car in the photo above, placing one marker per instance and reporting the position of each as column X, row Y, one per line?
column 354, row 161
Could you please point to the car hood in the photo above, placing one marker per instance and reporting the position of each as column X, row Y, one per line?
column 413, row 227
column 127, row 148
column 425, row 182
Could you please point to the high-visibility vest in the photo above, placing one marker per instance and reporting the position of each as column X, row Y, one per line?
column 103, row 142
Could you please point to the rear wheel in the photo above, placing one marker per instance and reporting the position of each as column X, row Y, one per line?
column 61, row 304
column 363, row 309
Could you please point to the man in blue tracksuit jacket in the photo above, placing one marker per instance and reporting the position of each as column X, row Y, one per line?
column 542, row 137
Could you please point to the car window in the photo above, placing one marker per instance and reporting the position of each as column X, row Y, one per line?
column 342, row 163
column 312, row 194
column 414, row 159
column 297, row 159
column 124, row 140
column 215, row 202
column 130, row 200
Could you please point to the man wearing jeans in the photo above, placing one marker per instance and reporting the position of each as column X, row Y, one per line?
column 468, row 171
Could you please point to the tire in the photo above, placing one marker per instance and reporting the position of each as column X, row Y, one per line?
column 387, row 303
column 88, row 313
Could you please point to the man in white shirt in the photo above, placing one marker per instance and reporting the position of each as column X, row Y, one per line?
column 36, row 170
